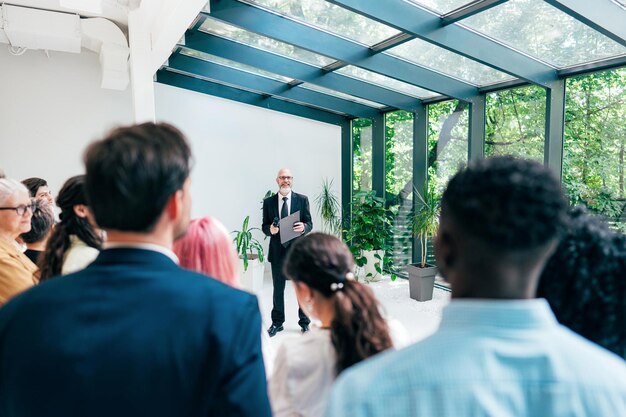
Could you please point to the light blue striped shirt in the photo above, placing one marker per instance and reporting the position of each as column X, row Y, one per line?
column 488, row 358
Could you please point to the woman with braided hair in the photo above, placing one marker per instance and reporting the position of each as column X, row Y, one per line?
column 75, row 242
column 352, row 328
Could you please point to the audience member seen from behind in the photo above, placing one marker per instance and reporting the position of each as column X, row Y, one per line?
column 75, row 242
column 133, row 333
column 498, row 351
column 585, row 281
column 38, row 189
column 207, row 248
column 41, row 224
column 321, row 268
column 17, row 272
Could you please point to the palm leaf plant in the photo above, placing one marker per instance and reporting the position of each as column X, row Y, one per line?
column 247, row 244
column 425, row 221
column 329, row 208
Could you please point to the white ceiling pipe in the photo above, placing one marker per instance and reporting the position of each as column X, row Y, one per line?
column 22, row 27
column 106, row 39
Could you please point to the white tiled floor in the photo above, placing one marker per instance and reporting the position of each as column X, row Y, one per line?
column 419, row 318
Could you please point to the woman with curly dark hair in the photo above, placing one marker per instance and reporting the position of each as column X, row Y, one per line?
column 75, row 242
column 352, row 328
column 585, row 281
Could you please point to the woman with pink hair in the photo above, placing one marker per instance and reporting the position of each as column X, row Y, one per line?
column 207, row 248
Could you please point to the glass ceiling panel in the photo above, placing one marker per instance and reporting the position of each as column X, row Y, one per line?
column 288, row 100
column 385, row 82
column 544, row 32
column 264, row 43
column 341, row 95
column 331, row 18
column 232, row 64
column 442, row 6
column 433, row 57
column 212, row 80
column 238, row 87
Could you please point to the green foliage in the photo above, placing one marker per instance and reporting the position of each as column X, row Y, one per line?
column 268, row 194
column 362, row 154
column 247, row 244
column 515, row 122
column 425, row 221
column 370, row 226
column 329, row 208
column 595, row 141
column 448, row 126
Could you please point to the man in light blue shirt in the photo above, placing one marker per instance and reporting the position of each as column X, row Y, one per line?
column 499, row 351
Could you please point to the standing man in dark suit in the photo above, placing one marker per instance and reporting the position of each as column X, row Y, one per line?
column 133, row 334
column 274, row 208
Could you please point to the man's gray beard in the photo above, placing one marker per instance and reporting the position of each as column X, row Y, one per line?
column 284, row 190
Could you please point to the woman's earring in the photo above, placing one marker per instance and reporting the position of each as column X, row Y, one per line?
column 309, row 305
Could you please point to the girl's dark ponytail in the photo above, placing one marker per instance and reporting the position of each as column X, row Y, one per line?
column 71, row 194
column 325, row 264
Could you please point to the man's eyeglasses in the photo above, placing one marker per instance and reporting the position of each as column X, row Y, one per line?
column 285, row 178
column 21, row 209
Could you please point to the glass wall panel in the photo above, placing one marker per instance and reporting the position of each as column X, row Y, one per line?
column 544, row 32
column 233, row 33
column 595, row 141
column 431, row 56
column 399, row 187
column 335, row 19
column 448, row 125
column 516, row 123
column 362, row 154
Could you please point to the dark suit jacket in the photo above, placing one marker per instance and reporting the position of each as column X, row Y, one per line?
column 270, row 212
column 132, row 335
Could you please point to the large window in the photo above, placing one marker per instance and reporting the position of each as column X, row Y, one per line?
column 399, row 186
column 515, row 123
column 362, row 162
column 595, row 138
column 447, row 142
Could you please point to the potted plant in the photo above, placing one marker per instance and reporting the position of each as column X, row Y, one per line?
column 329, row 208
column 368, row 234
column 424, row 224
column 250, row 252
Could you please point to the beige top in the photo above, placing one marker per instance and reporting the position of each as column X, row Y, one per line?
column 17, row 272
column 78, row 256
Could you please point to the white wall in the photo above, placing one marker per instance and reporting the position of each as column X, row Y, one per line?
column 239, row 148
column 50, row 109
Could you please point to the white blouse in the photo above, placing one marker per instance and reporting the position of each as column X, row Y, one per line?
column 304, row 372
column 78, row 256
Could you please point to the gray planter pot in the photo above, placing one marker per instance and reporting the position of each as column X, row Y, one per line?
column 421, row 281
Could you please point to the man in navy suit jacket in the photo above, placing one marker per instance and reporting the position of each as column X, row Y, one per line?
column 274, row 208
column 133, row 334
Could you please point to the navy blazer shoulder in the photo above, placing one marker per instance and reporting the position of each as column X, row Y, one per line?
column 132, row 334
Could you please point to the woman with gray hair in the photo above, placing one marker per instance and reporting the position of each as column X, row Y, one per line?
column 17, row 272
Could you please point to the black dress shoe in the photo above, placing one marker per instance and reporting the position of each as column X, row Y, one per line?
column 274, row 329
column 304, row 328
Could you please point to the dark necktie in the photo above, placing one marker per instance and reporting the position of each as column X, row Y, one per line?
column 284, row 212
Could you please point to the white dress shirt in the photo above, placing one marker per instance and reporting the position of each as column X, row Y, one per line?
column 280, row 203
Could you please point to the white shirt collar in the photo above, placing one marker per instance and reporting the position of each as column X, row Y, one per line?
column 145, row 246
column 280, row 196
